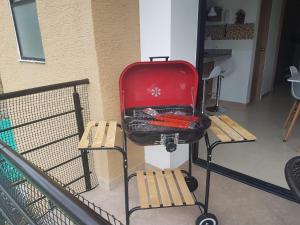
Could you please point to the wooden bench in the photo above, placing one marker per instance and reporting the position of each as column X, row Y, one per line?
column 104, row 135
column 163, row 189
column 227, row 130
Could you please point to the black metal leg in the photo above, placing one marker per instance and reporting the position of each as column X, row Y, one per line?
column 215, row 108
column 126, row 190
column 190, row 159
column 203, row 98
column 126, row 180
column 191, row 181
column 195, row 153
column 80, row 127
column 208, row 172
column 218, row 90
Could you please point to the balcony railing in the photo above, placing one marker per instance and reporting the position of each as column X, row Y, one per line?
column 44, row 125
column 42, row 173
column 29, row 196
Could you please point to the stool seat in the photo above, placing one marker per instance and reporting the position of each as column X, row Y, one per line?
column 216, row 72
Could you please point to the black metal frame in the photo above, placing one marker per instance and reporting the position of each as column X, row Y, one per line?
column 12, row 4
column 80, row 127
column 208, row 163
column 123, row 151
column 251, row 181
column 37, row 204
column 77, row 110
column 41, row 89
column 71, row 205
column 202, row 7
column 248, row 180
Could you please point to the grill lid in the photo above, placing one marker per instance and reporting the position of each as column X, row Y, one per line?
column 158, row 83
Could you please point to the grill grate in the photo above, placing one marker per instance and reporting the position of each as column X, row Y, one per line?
column 139, row 113
column 138, row 122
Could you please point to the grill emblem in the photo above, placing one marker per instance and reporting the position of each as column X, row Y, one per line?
column 155, row 91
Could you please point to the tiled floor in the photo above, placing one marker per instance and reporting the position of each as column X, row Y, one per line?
column 265, row 159
column 232, row 202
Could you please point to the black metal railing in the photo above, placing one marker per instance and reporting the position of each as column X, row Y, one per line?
column 42, row 173
column 29, row 196
column 44, row 125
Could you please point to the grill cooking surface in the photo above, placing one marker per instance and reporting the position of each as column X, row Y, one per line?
column 136, row 125
column 137, row 121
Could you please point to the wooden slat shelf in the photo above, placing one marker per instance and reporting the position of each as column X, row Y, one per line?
column 163, row 189
column 227, row 130
column 104, row 136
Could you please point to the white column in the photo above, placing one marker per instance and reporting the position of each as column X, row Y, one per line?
column 168, row 28
column 155, row 28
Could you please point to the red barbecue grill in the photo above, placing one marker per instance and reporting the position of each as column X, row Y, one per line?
column 158, row 107
column 158, row 104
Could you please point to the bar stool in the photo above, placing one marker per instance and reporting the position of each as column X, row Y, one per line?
column 295, row 111
column 216, row 72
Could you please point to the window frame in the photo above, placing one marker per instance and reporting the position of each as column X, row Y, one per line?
column 22, row 58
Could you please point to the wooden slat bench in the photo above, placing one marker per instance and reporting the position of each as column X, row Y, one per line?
column 227, row 130
column 163, row 189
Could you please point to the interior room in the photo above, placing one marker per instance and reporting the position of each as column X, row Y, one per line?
column 254, row 88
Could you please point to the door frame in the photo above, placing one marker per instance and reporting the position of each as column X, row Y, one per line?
column 257, row 78
column 235, row 175
column 278, row 42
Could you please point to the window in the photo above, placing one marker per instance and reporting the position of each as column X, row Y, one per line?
column 27, row 28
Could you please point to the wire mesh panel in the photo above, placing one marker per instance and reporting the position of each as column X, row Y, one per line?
column 42, row 126
column 24, row 203
column 22, row 196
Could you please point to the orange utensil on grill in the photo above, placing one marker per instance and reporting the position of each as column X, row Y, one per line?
column 171, row 120
column 169, row 124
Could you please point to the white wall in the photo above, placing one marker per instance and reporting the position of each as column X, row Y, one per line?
column 238, row 69
column 271, row 49
column 236, row 85
column 155, row 28
column 168, row 28
column 155, row 32
column 158, row 156
column 184, row 25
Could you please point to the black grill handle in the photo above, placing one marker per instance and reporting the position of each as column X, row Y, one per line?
column 159, row 57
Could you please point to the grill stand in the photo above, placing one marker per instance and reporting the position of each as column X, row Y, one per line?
column 226, row 131
column 105, row 141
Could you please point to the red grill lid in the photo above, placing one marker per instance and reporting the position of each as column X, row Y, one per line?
column 158, row 84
